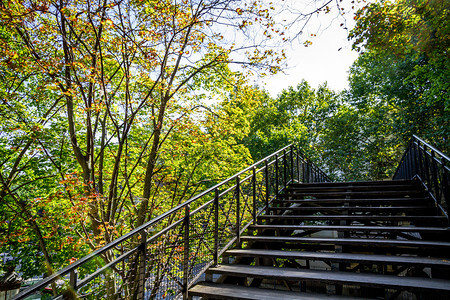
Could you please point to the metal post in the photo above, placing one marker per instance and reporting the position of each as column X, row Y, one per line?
column 445, row 183
column 410, row 173
column 276, row 177
column 216, row 227
column 435, row 175
column 427, row 168
column 73, row 280
column 291, row 156
column 416, row 159
column 421, row 162
column 284, row 169
column 298, row 167
column 186, row 251
column 254, row 195
column 266, row 171
column 142, row 264
column 238, row 208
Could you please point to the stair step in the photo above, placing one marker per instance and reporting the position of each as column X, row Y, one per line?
column 236, row 292
column 348, row 241
column 363, row 279
column 342, row 257
column 387, row 209
column 352, row 194
column 352, row 218
column 357, row 183
column 359, row 201
column 353, row 228
column 352, row 188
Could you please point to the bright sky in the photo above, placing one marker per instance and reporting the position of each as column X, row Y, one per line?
column 322, row 61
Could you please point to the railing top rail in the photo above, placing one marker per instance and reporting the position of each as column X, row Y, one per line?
column 46, row 281
column 432, row 148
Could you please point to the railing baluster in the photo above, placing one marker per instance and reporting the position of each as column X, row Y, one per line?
column 142, row 264
column 187, row 212
column 254, row 195
column 284, row 169
column 421, row 162
column 276, row 177
column 416, row 158
column 291, row 167
column 445, row 184
column 409, row 166
column 427, row 167
column 73, row 280
column 216, row 227
column 434, row 175
column 266, row 171
column 238, row 217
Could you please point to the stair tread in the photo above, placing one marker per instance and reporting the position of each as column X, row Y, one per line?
column 353, row 208
column 348, row 241
column 345, row 193
column 353, row 228
column 229, row 291
column 352, row 200
column 353, row 187
column 333, row 277
column 353, row 217
column 356, row 183
column 342, row 257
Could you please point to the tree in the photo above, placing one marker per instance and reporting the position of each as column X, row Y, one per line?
column 296, row 115
column 406, row 64
column 91, row 93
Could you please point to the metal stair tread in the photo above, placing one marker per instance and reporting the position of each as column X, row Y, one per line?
column 348, row 241
column 353, row 217
column 352, row 228
column 235, row 292
column 364, row 279
column 342, row 257
column 353, row 200
column 353, row 208
column 350, row 193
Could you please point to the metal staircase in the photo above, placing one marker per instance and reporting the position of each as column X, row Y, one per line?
column 365, row 239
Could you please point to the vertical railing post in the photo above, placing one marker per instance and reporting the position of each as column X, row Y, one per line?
column 298, row 166
column 284, row 169
column 410, row 160
column 427, row 167
column 216, row 227
column 307, row 171
column 291, row 167
column 421, row 162
column 434, row 173
column 266, row 174
column 186, row 251
column 73, row 280
column 276, row 177
column 445, row 184
column 238, row 217
column 254, row 195
column 416, row 158
column 142, row 264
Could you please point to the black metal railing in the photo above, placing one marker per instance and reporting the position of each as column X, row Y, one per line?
column 164, row 257
column 430, row 166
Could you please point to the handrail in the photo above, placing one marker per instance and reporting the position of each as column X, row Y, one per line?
column 272, row 178
column 424, row 162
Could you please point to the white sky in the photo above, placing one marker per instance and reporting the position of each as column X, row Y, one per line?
column 320, row 61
